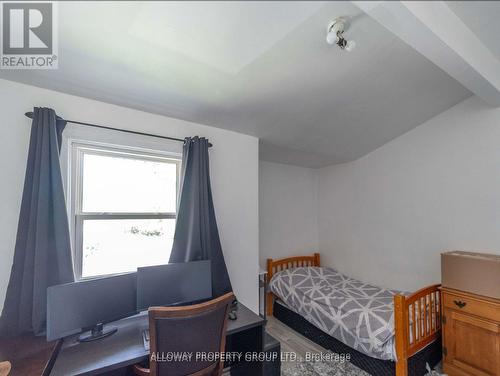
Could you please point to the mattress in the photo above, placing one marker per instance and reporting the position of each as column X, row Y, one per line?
column 358, row 314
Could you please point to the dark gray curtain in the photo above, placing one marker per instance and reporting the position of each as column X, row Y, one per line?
column 196, row 234
column 42, row 255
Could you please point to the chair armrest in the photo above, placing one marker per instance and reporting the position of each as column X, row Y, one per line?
column 141, row 371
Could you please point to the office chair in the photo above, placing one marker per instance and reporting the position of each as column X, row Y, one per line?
column 195, row 329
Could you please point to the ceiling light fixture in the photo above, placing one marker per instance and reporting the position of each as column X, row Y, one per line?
column 335, row 34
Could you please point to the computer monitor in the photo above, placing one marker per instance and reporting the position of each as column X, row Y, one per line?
column 173, row 284
column 88, row 305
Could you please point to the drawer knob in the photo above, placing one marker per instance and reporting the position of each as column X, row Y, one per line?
column 459, row 303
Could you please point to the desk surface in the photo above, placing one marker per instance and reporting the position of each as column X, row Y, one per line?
column 126, row 346
column 28, row 354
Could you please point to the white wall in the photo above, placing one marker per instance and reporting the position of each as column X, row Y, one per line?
column 234, row 172
column 386, row 217
column 288, row 211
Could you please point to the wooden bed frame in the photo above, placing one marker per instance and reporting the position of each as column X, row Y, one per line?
column 410, row 339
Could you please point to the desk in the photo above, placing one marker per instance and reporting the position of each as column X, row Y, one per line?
column 125, row 347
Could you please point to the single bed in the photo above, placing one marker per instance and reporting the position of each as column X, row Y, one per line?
column 373, row 324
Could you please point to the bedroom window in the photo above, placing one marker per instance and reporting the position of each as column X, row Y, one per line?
column 124, row 204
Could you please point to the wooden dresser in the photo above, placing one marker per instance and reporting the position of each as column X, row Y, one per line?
column 471, row 334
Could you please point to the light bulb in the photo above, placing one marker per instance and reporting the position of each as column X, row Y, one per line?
column 331, row 38
column 350, row 46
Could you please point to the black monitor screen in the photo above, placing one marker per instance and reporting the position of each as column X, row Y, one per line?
column 72, row 307
column 173, row 284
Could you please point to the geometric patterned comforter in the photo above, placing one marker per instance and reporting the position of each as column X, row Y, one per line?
column 356, row 313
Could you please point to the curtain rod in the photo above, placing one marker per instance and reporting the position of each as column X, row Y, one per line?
column 30, row 115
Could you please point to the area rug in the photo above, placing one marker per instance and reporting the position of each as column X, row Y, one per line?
column 320, row 368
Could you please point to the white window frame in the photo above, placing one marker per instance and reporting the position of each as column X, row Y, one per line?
column 77, row 151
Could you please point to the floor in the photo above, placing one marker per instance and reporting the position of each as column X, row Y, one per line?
column 290, row 340
column 295, row 343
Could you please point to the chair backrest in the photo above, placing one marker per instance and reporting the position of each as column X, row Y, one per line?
column 188, row 331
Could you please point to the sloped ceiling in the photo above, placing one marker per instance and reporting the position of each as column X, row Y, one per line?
column 260, row 68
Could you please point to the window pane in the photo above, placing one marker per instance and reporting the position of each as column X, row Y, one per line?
column 120, row 184
column 122, row 245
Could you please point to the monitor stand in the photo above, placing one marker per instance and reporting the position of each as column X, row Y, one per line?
column 97, row 332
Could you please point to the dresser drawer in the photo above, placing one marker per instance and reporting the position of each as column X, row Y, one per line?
column 472, row 305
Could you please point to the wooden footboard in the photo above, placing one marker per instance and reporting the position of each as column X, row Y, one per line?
column 274, row 266
column 417, row 323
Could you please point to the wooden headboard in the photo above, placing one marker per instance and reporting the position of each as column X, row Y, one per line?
column 274, row 266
